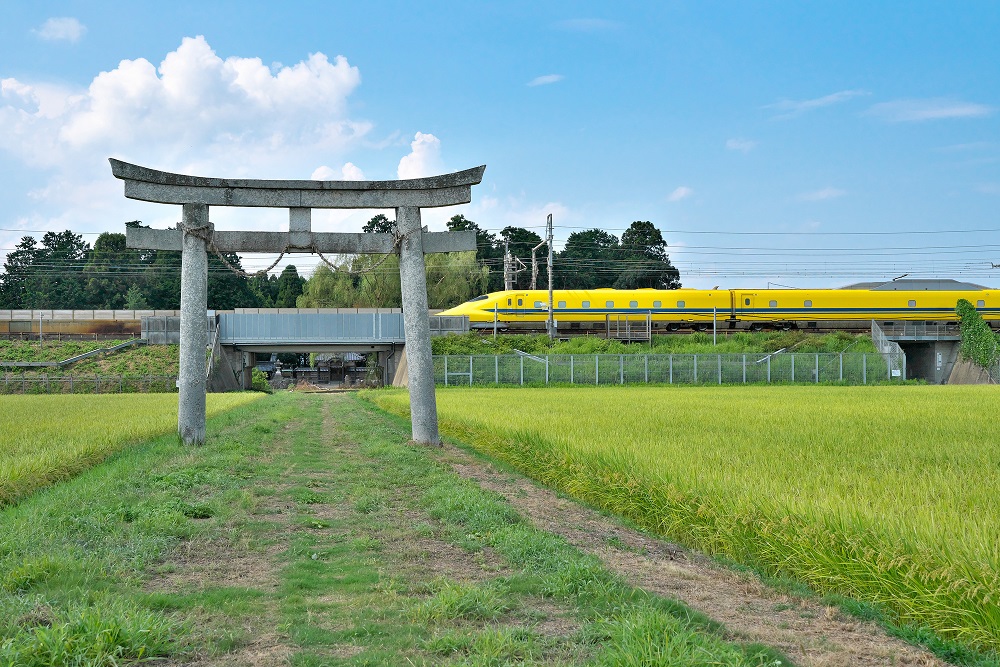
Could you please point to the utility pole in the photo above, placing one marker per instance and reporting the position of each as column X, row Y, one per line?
column 551, row 324
column 508, row 268
column 534, row 266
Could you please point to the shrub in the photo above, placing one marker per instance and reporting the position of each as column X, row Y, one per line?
column 258, row 381
column 979, row 344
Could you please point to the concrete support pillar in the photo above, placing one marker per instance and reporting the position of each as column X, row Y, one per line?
column 249, row 363
column 194, row 328
column 423, row 404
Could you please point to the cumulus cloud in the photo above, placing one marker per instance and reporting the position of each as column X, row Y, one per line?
column 793, row 108
column 823, row 194
column 682, row 192
column 916, row 110
column 424, row 158
column 194, row 112
column 61, row 29
column 545, row 79
column 742, row 145
column 349, row 172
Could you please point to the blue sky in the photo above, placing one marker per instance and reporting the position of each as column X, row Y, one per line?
column 792, row 143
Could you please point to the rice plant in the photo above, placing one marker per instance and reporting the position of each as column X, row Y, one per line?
column 45, row 439
column 884, row 494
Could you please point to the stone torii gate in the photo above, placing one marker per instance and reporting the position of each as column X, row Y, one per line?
column 195, row 235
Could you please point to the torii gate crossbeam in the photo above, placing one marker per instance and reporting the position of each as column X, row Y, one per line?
column 195, row 234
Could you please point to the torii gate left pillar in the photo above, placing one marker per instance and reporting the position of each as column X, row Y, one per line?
column 195, row 236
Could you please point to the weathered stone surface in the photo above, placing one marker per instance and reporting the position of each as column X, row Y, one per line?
column 325, row 242
column 197, row 193
column 163, row 187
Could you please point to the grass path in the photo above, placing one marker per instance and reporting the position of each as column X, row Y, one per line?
column 309, row 533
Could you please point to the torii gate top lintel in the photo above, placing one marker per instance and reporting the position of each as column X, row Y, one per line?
column 145, row 184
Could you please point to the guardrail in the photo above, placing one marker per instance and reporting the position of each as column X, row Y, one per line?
column 604, row 369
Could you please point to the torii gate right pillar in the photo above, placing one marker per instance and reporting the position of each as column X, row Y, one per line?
column 413, row 278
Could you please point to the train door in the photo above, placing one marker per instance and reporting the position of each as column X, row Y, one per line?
column 746, row 307
column 516, row 303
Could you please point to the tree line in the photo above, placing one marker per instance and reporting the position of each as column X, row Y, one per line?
column 62, row 271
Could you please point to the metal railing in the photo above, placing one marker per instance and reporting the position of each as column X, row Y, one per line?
column 892, row 350
column 13, row 383
column 920, row 330
column 603, row 369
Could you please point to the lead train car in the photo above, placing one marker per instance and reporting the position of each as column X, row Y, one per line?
column 735, row 309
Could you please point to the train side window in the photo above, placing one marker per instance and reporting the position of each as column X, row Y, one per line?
column 980, row 304
column 808, row 303
column 746, row 302
column 539, row 304
column 912, row 303
column 508, row 302
column 633, row 304
column 610, row 304
column 680, row 304
column 773, row 303
column 520, row 302
column 657, row 304
column 585, row 304
column 562, row 304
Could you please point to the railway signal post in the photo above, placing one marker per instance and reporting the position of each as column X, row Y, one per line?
column 195, row 237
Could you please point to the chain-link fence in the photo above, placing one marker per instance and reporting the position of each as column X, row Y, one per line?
column 87, row 384
column 604, row 369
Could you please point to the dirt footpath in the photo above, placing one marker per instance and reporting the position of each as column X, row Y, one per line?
column 809, row 633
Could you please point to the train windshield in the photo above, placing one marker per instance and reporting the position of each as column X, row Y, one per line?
column 480, row 298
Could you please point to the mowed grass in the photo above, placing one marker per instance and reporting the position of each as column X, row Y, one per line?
column 44, row 439
column 888, row 495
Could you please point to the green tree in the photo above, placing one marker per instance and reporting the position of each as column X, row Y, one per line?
column 489, row 250
column 328, row 289
column 56, row 274
column 589, row 260
column 379, row 224
column 378, row 281
column 110, row 273
column 134, row 299
column 226, row 288
column 265, row 290
column 16, row 272
column 289, row 287
column 453, row 278
column 643, row 259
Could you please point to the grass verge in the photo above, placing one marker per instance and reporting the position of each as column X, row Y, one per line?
column 307, row 531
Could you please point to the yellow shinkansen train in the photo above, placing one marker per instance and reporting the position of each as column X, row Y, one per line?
column 734, row 308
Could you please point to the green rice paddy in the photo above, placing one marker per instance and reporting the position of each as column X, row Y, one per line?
column 44, row 439
column 888, row 495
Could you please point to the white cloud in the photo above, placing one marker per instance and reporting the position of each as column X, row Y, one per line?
column 546, row 79
column 792, row 108
column 915, row 110
column 682, row 192
column 823, row 194
column 323, row 173
column 424, row 158
column 195, row 113
column 61, row 29
column 743, row 145
column 351, row 172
